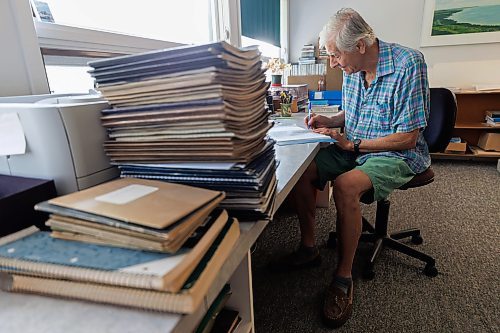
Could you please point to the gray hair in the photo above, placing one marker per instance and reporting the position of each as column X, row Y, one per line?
column 346, row 27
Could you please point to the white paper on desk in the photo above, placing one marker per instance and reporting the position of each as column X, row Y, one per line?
column 293, row 134
column 12, row 141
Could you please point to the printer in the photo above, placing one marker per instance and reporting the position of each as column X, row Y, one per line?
column 64, row 140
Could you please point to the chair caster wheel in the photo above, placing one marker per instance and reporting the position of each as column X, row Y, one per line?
column 430, row 270
column 417, row 240
column 332, row 240
column 368, row 274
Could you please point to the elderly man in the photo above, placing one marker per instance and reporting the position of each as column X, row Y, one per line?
column 385, row 108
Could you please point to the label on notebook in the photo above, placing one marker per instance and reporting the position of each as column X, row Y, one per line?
column 126, row 194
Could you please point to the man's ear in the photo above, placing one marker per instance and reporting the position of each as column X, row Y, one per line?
column 361, row 46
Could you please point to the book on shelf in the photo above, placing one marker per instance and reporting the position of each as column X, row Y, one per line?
column 44, row 279
column 35, row 252
column 492, row 118
column 493, row 113
column 227, row 321
column 206, row 324
column 494, row 122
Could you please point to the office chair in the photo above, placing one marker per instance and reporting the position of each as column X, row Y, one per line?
column 439, row 129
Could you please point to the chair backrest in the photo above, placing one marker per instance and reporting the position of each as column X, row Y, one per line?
column 443, row 110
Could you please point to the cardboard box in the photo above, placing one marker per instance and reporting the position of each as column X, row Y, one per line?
column 489, row 141
column 18, row 196
column 310, row 80
column 456, row 148
column 334, row 78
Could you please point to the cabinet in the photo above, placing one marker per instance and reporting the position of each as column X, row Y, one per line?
column 470, row 124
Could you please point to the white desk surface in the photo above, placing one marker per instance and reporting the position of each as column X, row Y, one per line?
column 39, row 314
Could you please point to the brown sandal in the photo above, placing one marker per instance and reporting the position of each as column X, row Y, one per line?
column 337, row 308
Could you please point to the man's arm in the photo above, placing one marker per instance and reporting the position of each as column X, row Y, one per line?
column 392, row 142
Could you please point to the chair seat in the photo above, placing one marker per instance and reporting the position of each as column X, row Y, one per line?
column 420, row 179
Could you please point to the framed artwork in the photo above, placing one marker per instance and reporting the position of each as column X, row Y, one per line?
column 452, row 22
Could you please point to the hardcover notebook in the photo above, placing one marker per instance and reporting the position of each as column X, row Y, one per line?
column 150, row 203
column 74, row 225
column 31, row 251
column 186, row 300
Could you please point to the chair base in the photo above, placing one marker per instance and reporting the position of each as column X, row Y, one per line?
column 380, row 238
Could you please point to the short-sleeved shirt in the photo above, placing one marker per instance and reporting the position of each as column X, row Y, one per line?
column 397, row 101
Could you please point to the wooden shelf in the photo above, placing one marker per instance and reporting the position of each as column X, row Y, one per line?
column 484, row 153
column 470, row 123
column 476, row 154
column 474, row 125
column 462, row 157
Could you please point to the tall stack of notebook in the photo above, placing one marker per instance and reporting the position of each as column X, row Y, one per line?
column 193, row 115
column 131, row 242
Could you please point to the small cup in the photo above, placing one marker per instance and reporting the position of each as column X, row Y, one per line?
column 286, row 110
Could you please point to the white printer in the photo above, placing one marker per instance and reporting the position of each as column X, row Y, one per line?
column 64, row 140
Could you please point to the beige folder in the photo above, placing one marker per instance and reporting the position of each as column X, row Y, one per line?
column 150, row 203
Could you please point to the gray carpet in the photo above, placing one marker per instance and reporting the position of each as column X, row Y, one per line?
column 459, row 215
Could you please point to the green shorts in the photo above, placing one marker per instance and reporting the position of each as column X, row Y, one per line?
column 385, row 173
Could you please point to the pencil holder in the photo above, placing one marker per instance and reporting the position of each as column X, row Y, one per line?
column 286, row 109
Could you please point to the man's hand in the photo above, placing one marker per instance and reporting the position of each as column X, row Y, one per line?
column 342, row 142
column 317, row 121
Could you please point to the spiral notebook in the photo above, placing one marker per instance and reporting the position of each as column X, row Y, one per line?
column 186, row 300
column 35, row 252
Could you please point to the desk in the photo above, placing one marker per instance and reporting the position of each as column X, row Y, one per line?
column 40, row 314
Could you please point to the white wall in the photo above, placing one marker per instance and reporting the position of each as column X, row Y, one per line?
column 459, row 66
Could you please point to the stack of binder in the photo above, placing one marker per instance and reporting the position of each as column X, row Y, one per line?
column 109, row 262
column 193, row 115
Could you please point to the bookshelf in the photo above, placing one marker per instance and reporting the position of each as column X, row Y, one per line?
column 470, row 124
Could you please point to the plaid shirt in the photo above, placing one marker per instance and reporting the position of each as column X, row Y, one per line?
column 397, row 101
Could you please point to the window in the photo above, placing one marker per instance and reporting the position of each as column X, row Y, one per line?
column 264, row 23
column 187, row 21
column 71, row 33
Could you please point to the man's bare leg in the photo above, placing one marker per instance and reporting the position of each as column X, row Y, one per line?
column 303, row 196
column 348, row 189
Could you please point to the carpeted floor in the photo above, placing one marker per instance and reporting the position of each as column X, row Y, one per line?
column 459, row 215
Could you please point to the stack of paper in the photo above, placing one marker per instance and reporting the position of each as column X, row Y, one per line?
column 176, row 109
column 293, row 134
column 132, row 213
column 115, row 243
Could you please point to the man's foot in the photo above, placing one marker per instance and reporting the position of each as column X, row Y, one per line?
column 337, row 308
column 304, row 257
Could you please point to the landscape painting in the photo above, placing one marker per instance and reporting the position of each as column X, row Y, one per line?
column 448, row 22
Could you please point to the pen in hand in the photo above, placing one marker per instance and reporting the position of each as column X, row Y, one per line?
column 308, row 114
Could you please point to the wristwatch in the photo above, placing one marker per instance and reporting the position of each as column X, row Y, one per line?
column 356, row 142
